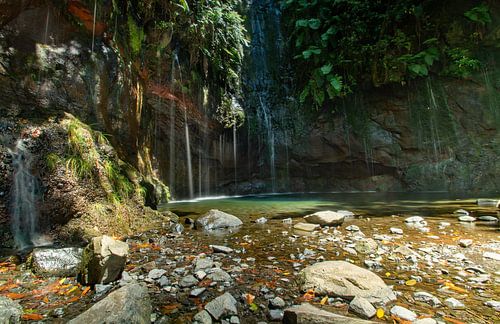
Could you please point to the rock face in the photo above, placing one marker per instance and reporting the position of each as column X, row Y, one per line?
column 56, row 262
column 308, row 314
column 343, row 279
column 216, row 219
column 325, row 218
column 10, row 311
column 104, row 260
column 129, row 304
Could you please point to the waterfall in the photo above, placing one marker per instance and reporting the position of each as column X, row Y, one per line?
column 188, row 156
column 234, row 158
column 24, row 213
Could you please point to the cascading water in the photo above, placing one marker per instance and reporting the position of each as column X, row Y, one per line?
column 24, row 212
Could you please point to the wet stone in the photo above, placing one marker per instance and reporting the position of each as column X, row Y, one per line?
column 403, row 313
column 493, row 304
column 454, row 303
column 156, row 273
column 467, row 219
column 352, row 228
column 488, row 218
column 427, row 298
column 203, row 264
column 163, row 281
column 362, row 307
column 188, row 281
column 491, row 255
column 10, row 311
column 197, row 292
column 306, row 227
column 276, row 314
column 222, row 306
column 218, row 275
column 277, row 302
column 414, row 219
column 465, row 242
column 461, row 212
column 221, row 249
column 325, row 218
column 395, row 230
column 202, row 317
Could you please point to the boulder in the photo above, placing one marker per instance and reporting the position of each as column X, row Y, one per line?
column 343, row 279
column 325, row 218
column 308, row 314
column 129, row 304
column 10, row 311
column 216, row 219
column 222, row 306
column 103, row 260
column 56, row 262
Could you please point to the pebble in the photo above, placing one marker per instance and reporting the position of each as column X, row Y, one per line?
column 488, row 218
column 221, row 249
column 277, row 302
column 203, row 264
column 234, row 320
column 454, row 303
column 491, row 255
column 307, row 227
column 223, row 305
column 427, row 298
column 493, row 303
column 414, row 219
column 403, row 313
column 202, row 317
column 261, row 220
column 276, row 314
column 467, row 219
column 163, row 281
column 425, row 321
column 287, row 221
column 188, row 281
column 197, row 292
column 156, row 273
column 200, row 274
column 444, row 224
column 395, row 230
column 352, row 228
column 461, row 212
column 465, row 242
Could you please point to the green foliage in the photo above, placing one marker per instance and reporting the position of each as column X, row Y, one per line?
column 136, row 35
column 479, row 14
column 340, row 44
column 79, row 167
column 122, row 187
column 52, row 160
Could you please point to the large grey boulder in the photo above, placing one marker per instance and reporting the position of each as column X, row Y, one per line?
column 10, row 311
column 129, row 304
column 103, row 260
column 56, row 262
column 325, row 218
column 308, row 314
column 222, row 306
column 216, row 219
column 343, row 279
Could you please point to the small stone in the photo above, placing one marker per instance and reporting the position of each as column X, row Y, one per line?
column 277, row 302
column 221, row 249
column 465, row 242
column 101, row 290
column 222, row 306
column 454, row 303
column 203, row 264
column 202, row 317
column 488, row 218
column 218, row 275
column 491, row 255
column 362, row 307
column 261, row 220
column 427, row 298
column 395, row 230
column 306, row 227
column 467, row 219
column 188, row 281
column 234, row 320
column 487, row 202
column 414, row 219
column 444, row 224
column 163, row 281
column 200, row 274
column 156, row 273
column 425, row 321
column 403, row 313
column 494, row 304
column 461, row 212
column 352, row 228
column 197, row 292
column 287, row 221
column 366, row 246
column 276, row 314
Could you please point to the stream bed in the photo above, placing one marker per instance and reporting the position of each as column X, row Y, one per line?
column 445, row 258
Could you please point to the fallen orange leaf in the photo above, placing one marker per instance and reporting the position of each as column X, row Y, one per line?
column 15, row 295
column 169, row 309
column 309, row 295
column 85, row 291
column 452, row 320
column 249, row 298
column 32, row 317
column 8, row 286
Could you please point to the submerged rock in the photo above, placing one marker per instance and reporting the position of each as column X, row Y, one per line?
column 488, row 218
column 491, row 255
column 56, row 262
column 129, row 304
column 325, row 218
column 308, row 314
column 427, row 298
column 306, row 227
column 487, row 202
column 216, row 219
column 403, row 313
column 461, row 212
column 414, row 219
column 104, row 260
column 454, row 303
column 343, row 279
column 10, row 311
column 366, row 246
column 467, row 219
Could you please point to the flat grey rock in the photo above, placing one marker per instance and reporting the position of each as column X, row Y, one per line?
column 156, row 273
column 188, row 281
column 129, row 304
column 222, row 306
column 218, row 275
column 221, row 249
column 202, row 317
column 454, row 303
column 403, row 313
column 362, row 307
column 10, row 311
column 306, row 227
column 427, row 298
column 308, row 314
column 325, row 218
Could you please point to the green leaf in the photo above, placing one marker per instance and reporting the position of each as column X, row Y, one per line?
column 304, row 94
column 418, row 69
column 336, row 83
column 302, row 23
column 184, row 5
column 307, row 53
column 326, row 69
column 253, row 307
column 314, row 23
